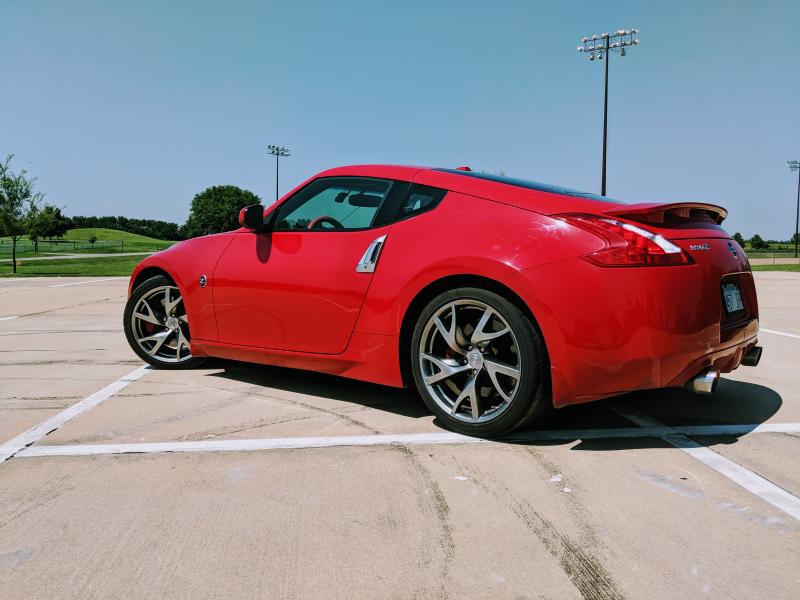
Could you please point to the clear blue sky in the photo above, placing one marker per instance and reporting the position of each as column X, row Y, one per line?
column 133, row 107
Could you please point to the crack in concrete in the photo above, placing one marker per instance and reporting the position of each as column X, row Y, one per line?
column 436, row 504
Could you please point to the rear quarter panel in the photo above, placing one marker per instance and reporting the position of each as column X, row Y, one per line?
column 464, row 235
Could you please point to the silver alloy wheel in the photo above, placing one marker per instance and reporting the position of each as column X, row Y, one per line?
column 160, row 326
column 470, row 361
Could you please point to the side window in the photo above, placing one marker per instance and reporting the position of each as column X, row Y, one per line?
column 419, row 199
column 334, row 204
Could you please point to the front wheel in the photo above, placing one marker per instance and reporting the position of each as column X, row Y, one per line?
column 157, row 326
column 479, row 363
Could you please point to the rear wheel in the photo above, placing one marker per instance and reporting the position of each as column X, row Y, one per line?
column 479, row 363
column 157, row 326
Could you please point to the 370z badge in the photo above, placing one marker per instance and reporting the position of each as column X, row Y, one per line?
column 699, row 247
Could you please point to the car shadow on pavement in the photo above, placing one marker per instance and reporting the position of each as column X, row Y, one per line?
column 733, row 403
column 404, row 402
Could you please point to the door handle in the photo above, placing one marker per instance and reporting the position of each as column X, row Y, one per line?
column 370, row 258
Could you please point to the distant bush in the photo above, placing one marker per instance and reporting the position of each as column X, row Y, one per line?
column 757, row 243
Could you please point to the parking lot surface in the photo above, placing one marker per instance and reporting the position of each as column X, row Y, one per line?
column 246, row 481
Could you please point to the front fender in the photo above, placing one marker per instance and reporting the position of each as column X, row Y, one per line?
column 185, row 263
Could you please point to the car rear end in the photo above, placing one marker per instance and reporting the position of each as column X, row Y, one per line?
column 665, row 298
column 727, row 280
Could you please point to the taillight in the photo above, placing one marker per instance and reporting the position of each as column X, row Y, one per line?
column 627, row 245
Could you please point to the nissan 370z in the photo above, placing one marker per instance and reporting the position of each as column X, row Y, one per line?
column 497, row 298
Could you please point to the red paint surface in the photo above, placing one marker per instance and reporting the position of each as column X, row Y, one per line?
column 293, row 298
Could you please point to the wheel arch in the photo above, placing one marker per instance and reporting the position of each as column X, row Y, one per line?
column 443, row 284
column 146, row 274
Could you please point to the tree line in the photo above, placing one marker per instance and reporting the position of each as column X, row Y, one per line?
column 161, row 230
column 758, row 243
column 213, row 210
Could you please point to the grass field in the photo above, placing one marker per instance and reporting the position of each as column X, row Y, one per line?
column 77, row 241
column 794, row 268
column 73, row 267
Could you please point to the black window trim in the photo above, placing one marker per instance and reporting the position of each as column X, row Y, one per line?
column 393, row 211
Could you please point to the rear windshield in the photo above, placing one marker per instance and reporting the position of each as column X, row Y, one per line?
column 531, row 185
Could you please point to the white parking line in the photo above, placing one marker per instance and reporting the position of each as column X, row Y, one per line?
column 752, row 482
column 9, row 318
column 13, row 446
column 81, row 282
column 248, row 445
column 783, row 333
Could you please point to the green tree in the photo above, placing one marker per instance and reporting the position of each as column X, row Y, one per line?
column 92, row 240
column 55, row 223
column 47, row 222
column 18, row 204
column 757, row 243
column 36, row 227
column 216, row 209
column 739, row 238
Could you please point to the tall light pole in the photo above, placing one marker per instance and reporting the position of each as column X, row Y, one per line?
column 606, row 44
column 277, row 152
column 794, row 165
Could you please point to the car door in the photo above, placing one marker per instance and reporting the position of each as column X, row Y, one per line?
column 300, row 285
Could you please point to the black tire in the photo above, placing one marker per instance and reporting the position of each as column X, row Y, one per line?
column 142, row 290
column 530, row 398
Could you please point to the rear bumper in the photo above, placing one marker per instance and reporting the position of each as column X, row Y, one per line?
column 612, row 331
column 724, row 361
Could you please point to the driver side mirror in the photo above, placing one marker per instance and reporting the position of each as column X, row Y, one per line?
column 252, row 217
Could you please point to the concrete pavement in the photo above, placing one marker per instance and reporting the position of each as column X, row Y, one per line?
column 586, row 514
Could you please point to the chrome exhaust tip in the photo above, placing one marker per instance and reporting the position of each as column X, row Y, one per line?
column 705, row 382
column 752, row 358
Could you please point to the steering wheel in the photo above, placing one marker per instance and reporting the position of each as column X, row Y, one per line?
column 319, row 221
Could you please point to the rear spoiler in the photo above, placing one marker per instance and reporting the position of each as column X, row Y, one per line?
column 677, row 211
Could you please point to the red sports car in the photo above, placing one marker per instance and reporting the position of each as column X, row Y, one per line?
column 498, row 298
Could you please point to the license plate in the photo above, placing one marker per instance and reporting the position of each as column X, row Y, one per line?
column 732, row 297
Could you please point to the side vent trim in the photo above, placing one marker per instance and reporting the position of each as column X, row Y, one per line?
column 370, row 258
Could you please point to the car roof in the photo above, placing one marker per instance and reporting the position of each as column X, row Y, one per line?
column 399, row 172
column 543, row 198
